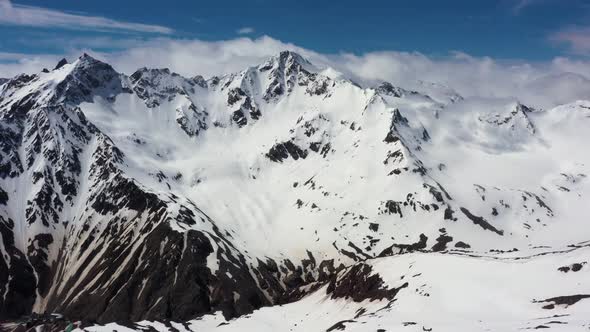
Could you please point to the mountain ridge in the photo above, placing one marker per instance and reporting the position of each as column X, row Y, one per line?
column 261, row 187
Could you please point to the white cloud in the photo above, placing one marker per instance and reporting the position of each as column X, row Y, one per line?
column 519, row 5
column 207, row 58
column 11, row 56
column 188, row 57
column 576, row 38
column 540, row 84
column 245, row 30
column 12, row 64
column 14, row 14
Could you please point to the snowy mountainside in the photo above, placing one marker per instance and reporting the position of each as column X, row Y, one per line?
column 159, row 197
column 428, row 291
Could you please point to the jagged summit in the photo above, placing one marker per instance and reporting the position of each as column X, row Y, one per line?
column 200, row 81
column 388, row 89
column 61, row 63
column 87, row 62
column 520, row 107
column 84, row 78
column 292, row 55
column 158, row 85
column 288, row 61
column 514, row 120
column 151, row 71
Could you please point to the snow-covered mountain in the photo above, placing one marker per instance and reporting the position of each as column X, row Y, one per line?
column 282, row 197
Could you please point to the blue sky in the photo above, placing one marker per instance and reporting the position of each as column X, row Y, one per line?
column 530, row 30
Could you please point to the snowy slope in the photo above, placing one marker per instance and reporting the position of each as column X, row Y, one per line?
column 159, row 197
column 442, row 292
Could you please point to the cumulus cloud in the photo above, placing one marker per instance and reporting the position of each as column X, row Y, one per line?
column 207, row 58
column 14, row 14
column 188, row 57
column 245, row 30
column 541, row 84
column 12, row 64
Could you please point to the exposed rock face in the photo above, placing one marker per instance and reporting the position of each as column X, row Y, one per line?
column 244, row 107
column 513, row 122
column 87, row 79
column 284, row 72
column 158, row 85
column 360, row 284
column 388, row 89
column 61, row 63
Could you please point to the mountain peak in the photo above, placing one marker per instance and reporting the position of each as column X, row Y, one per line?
column 87, row 65
column 85, row 56
column 157, row 84
column 87, row 60
column 151, row 72
column 294, row 56
column 388, row 89
column 289, row 61
column 283, row 71
column 61, row 63
column 519, row 107
column 87, row 77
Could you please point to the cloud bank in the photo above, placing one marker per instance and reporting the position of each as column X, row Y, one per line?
column 541, row 84
column 19, row 15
